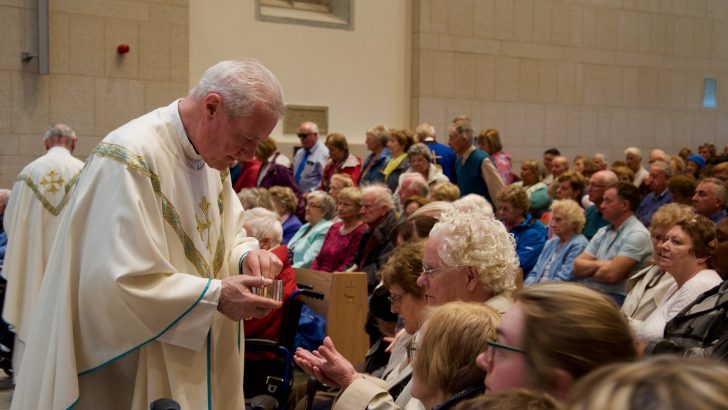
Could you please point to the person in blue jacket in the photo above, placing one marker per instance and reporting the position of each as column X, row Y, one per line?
column 529, row 233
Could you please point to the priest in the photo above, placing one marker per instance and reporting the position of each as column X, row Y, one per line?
column 151, row 270
column 40, row 193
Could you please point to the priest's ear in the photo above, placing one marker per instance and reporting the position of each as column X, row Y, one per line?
column 212, row 103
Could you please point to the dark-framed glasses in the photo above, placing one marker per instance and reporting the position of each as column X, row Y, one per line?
column 302, row 135
column 493, row 346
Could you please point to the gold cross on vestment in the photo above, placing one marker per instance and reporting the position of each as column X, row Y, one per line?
column 50, row 181
column 204, row 225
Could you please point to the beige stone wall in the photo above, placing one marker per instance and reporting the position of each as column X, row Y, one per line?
column 585, row 76
column 90, row 86
column 362, row 76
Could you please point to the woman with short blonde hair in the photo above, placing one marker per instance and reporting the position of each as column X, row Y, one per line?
column 444, row 191
column 556, row 261
column 343, row 238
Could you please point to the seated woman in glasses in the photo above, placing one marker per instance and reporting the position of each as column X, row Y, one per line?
column 451, row 336
column 306, row 243
column 552, row 336
column 684, row 254
column 647, row 287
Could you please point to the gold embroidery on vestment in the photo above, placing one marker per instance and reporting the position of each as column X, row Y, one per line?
column 170, row 214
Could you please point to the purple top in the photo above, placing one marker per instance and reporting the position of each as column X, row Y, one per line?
column 290, row 227
column 338, row 251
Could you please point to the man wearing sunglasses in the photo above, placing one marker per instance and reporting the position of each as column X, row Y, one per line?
column 310, row 160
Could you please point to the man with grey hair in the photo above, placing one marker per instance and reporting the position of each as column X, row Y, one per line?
column 151, row 269
column 40, row 193
column 660, row 172
column 659, row 155
column 469, row 256
column 377, row 210
column 710, row 199
column 633, row 158
column 600, row 160
column 412, row 184
column 476, row 173
column 310, row 160
column 442, row 155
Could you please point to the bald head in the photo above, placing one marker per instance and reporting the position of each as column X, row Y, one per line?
column 598, row 183
column 559, row 165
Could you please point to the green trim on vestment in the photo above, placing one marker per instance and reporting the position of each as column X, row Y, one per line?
column 54, row 210
column 171, row 216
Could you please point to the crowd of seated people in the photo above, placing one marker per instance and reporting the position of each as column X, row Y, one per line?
column 640, row 246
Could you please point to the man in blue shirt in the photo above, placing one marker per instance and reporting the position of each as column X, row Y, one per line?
column 442, row 155
column 660, row 172
column 619, row 249
column 310, row 160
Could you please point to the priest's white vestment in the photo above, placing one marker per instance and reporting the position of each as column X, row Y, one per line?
column 40, row 193
column 127, row 310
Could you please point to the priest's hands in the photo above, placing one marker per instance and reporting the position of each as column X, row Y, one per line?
column 327, row 365
column 261, row 263
column 237, row 302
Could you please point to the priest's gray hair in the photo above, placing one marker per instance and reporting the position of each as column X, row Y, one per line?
column 59, row 130
column 243, row 86
column 479, row 241
column 261, row 223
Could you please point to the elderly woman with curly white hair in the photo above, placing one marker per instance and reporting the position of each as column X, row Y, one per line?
column 469, row 256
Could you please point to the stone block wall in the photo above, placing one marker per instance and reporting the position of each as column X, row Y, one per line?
column 584, row 76
column 90, row 87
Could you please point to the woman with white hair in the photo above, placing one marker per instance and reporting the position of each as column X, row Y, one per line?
column 469, row 256
column 264, row 226
column 473, row 202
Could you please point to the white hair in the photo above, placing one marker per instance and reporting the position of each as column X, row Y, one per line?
column 634, row 151
column 425, row 130
column 243, row 86
column 415, row 181
column 474, row 239
column 59, row 130
column 382, row 195
column 261, row 223
column 473, row 202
